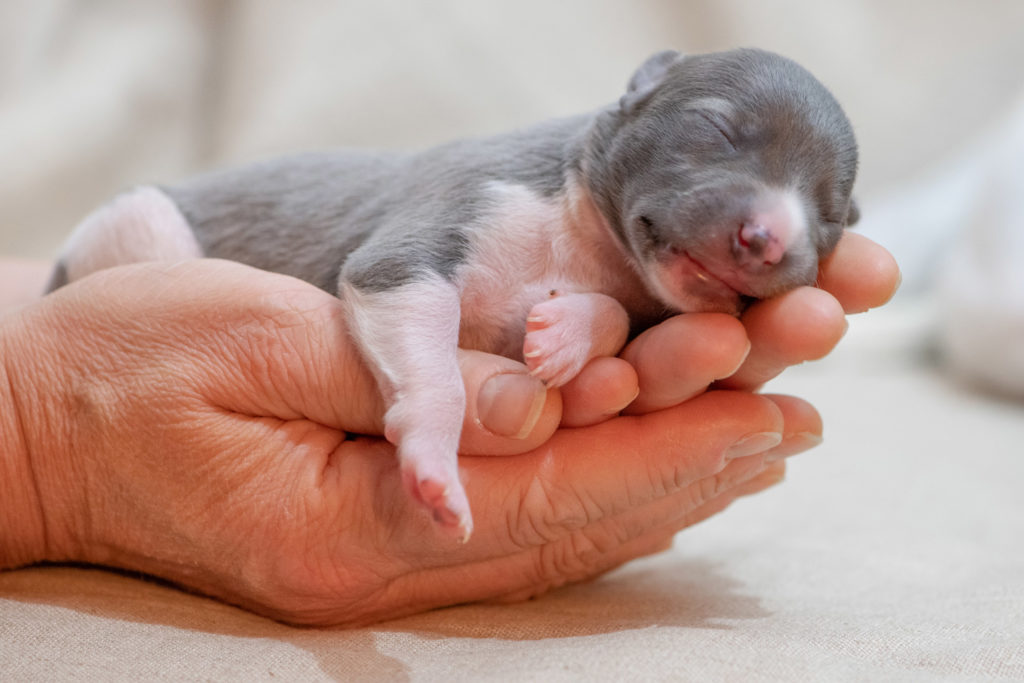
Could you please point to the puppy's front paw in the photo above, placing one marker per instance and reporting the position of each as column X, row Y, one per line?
column 558, row 339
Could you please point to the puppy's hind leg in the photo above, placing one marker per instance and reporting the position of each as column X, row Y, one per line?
column 409, row 336
column 141, row 225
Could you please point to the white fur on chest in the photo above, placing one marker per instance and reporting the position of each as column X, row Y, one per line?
column 525, row 248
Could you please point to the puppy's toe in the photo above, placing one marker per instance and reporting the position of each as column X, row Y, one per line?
column 444, row 498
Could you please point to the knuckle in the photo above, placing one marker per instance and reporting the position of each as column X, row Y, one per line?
column 559, row 563
column 546, row 512
column 576, row 557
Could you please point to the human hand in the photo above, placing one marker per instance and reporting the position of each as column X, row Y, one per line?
column 685, row 355
column 199, row 422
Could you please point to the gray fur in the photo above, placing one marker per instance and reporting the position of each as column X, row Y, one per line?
column 664, row 171
column 305, row 215
column 660, row 171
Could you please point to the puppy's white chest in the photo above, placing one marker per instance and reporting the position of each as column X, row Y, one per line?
column 525, row 248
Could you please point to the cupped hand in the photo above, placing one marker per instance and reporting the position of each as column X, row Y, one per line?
column 212, row 425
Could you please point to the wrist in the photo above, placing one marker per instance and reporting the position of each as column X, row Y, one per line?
column 34, row 505
column 23, row 530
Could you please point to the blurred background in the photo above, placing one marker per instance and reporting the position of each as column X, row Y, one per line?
column 100, row 95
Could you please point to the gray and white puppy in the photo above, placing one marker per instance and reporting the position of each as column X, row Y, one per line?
column 716, row 179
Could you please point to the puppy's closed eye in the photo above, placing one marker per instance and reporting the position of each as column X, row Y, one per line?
column 717, row 129
column 721, row 126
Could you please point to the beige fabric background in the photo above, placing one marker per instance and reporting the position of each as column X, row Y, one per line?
column 893, row 552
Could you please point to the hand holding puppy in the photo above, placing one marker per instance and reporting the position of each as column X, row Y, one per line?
column 199, row 422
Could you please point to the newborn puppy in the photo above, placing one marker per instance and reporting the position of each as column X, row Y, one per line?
column 716, row 179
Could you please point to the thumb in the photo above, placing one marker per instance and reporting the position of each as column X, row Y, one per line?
column 508, row 411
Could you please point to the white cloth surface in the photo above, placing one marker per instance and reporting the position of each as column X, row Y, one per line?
column 892, row 553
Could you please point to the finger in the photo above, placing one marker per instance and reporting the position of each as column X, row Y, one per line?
column 602, row 390
column 770, row 475
column 803, row 427
column 773, row 474
column 613, row 542
column 679, row 358
column 583, row 475
column 800, row 325
column 663, row 504
column 599, row 564
column 660, row 537
column 666, row 518
column 754, row 471
column 860, row 273
column 508, row 410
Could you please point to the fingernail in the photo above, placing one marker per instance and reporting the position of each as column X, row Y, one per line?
column 795, row 443
column 615, row 411
column 739, row 364
column 753, row 444
column 510, row 404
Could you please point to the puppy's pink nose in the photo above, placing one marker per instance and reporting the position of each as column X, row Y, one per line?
column 760, row 245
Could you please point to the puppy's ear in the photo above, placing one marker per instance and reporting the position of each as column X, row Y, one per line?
column 852, row 213
column 647, row 78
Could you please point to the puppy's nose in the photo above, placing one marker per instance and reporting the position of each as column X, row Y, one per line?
column 758, row 244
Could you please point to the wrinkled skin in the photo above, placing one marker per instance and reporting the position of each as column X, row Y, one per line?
column 197, row 422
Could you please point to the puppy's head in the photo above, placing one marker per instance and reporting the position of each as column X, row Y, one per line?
column 728, row 176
